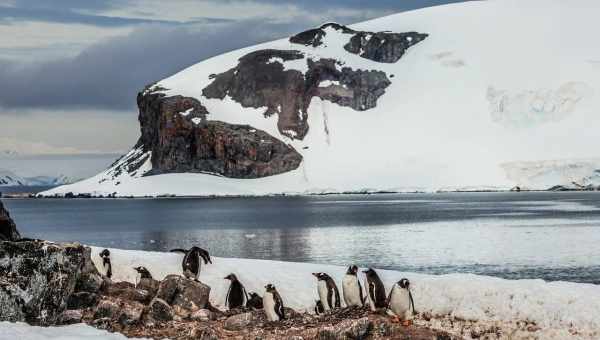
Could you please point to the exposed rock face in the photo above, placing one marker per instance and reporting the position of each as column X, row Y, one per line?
column 38, row 278
column 184, row 295
column 8, row 229
column 175, row 129
column 383, row 47
column 178, row 134
column 261, row 80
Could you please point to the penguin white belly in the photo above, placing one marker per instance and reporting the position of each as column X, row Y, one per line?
column 351, row 291
column 269, row 307
column 322, row 290
column 400, row 303
column 370, row 302
column 138, row 278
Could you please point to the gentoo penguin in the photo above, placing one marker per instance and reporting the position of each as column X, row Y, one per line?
column 106, row 265
column 319, row 307
column 273, row 305
column 351, row 288
column 400, row 302
column 191, row 261
column 375, row 290
column 236, row 295
column 142, row 273
column 328, row 291
column 255, row 301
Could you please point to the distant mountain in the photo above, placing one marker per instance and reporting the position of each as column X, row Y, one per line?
column 9, row 178
column 481, row 94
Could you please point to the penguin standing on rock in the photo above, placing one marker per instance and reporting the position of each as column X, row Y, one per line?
column 400, row 302
column 328, row 291
column 272, row 303
column 375, row 290
column 236, row 295
column 142, row 273
column 351, row 288
column 106, row 265
column 191, row 261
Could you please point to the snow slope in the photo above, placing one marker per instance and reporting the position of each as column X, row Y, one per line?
column 555, row 307
column 496, row 82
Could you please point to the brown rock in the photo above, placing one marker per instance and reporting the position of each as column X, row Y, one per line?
column 239, row 321
column 71, row 316
column 184, row 295
column 81, row 300
column 131, row 313
column 160, row 310
column 203, row 315
column 107, row 309
column 149, row 285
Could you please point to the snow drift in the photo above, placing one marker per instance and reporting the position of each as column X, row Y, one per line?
column 497, row 88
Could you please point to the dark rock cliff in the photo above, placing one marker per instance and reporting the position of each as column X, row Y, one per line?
column 181, row 138
column 383, row 47
column 8, row 229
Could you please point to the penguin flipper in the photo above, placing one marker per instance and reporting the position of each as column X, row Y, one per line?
column 279, row 309
column 227, row 296
column 178, row 250
column 389, row 298
column 360, row 292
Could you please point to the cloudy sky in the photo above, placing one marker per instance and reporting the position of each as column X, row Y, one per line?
column 70, row 69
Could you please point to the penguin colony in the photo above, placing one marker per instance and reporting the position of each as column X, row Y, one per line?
column 399, row 303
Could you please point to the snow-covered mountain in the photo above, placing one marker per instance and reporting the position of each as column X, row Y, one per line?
column 9, row 178
column 491, row 94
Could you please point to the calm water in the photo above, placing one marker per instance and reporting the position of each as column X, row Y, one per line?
column 554, row 236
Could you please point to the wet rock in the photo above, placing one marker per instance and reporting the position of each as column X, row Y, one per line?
column 239, row 321
column 71, row 316
column 8, row 229
column 107, row 309
column 37, row 279
column 81, row 300
column 160, row 310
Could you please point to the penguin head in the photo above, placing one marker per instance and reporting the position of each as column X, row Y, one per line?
column 321, row 276
column 141, row 269
column 404, row 283
column 352, row 270
column 370, row 272
column 270, row 288
column 105, row 253
column 231, row 277
column 253, row 295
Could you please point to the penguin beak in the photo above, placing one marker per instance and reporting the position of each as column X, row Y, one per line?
column 315, row 274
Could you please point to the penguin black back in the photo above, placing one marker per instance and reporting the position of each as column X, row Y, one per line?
column 191, row 261
column 255, row 301
column 332, row 294
column 236, row 295
column 105, row 255
column 376, row 290
column 279, row 308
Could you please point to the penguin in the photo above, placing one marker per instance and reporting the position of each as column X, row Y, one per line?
column 191, row 261
column 400, row 302
column 319, row 307
column 142, row 273
column 106, row 265
column 272, row 303
column 236, row 295
column 328, row 291
column 255, row 301
column 351, row 288
column 375, row 290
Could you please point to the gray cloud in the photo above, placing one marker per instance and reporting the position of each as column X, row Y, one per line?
column 109, row 74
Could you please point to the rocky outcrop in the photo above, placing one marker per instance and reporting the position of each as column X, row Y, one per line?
column 179, row 135
column 261, row 80
column 181, row 139
column 8, row 229
column 383, row 47
column 38, row 278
